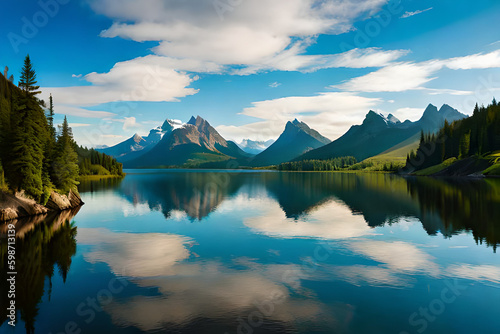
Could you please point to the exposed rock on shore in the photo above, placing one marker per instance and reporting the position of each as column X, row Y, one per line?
column 18, row 205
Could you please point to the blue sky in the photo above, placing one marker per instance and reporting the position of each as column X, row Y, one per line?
column 120, row 67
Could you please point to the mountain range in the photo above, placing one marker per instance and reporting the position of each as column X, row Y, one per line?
column 177, row 144
column 197, row 144
column 378, row 133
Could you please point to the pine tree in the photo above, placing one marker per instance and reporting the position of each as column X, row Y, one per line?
column 65, row 165
column 476, row 109
column 50, row 118
column 28, row 137
column 28, row 82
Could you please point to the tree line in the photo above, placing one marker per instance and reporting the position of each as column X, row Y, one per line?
column 34, row 156
column 477, row 135
column 318, row 165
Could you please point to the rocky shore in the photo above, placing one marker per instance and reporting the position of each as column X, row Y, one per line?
column 14, row 206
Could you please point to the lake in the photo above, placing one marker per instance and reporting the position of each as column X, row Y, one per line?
column 181, row 251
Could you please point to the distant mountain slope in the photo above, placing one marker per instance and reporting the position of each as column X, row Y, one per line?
column 296, row 139
column 378, row 134
column 137, row 145
column 194, row 142
column 134, row 143
column 255, row 147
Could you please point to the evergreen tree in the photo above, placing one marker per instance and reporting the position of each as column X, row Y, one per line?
column 28, row 82
column 50, row 119
column 28, row 137
column 65, row 165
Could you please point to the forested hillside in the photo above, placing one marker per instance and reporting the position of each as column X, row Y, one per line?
column 476, row 136
column 34, row 156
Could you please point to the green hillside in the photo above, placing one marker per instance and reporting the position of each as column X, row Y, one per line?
column 472, row 144
column 34, row 156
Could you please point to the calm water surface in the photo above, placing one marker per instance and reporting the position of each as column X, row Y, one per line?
column 263, row 252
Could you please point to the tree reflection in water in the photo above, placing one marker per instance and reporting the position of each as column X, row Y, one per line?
column 44, row 244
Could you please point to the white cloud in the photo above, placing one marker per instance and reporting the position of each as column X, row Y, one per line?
column 435, row 91
column 80, row 112
column 255, row 32
column 329, row 113
column 274, row 84
column 410, row 14
column 130, row 123
column 394, row 78
column 292, row 59
column 413, row 114
column 399, row 77
column 476, row 61
column 149, row 78
column 76, row 76
column 78, row 125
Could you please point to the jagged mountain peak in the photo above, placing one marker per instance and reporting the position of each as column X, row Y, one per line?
column 393, row 119
column 431, row 110
column 192, row 120
column 446, row 110
column 137, row 138
column 171, row 124
column 296, row 139
column 374, row 119
column 167, row 126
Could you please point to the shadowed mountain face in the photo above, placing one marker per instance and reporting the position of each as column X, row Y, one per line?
column 377, row 134
column 297, row 139
column 194, row 142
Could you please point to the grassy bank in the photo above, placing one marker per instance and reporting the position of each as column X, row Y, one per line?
column 100, row 177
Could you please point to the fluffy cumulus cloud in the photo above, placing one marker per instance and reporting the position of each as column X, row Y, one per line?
column 149, row 78
column 329, row 113
column 243, row 33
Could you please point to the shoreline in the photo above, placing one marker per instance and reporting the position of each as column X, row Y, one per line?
column 100, row 177
column 470, row 176
column 16, row 206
